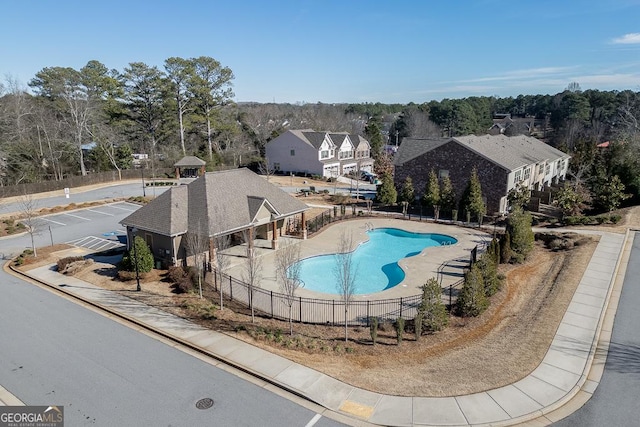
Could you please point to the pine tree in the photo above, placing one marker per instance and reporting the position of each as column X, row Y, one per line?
column 447, row 195
column 472, row 300
column 374, row 135
column 489, row 269
column 433, row 311
column 521, row 234
column 387, row 193
column 431, row 195
column 472, row 201
column 141, row 253
column 407, row 193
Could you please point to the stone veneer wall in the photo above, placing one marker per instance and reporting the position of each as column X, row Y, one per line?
column 459, row 161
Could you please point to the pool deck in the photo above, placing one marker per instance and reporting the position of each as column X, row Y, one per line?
column 450, row 259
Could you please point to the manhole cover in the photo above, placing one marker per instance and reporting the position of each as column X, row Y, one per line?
column 205, row 403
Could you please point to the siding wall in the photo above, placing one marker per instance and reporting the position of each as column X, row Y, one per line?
column 306, row 159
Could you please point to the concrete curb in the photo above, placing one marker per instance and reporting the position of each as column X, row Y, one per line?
column 572, row 400
column 12, row 270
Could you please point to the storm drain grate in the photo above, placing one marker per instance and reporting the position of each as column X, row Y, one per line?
column 205, row 403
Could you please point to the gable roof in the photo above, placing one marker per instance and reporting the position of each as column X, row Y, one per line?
column 509, row 152
column 357, row 140
column 227, row 201
column 315, row 139
column 190, row 161
column 414, row 147
column 166, row 214
column 218, row 202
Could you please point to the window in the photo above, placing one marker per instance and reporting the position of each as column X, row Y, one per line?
column 518, row 176
column 276, row 166
column 324, row 154
column 527, row 173
column 293, row 152
column 547, row 169
column 443, row 173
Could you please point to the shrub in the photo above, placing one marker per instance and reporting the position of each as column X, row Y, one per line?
column 615, row 218
column 472, row 300
column 373, row 329
column 183, row 280
column 505, row 248
column 125, row 275
column 64, row 262
column 521, row 235
column 417, row 323
column 175, row 273
column 139, row 252
column 434, row 316
column 399, row 324
column 488, row 267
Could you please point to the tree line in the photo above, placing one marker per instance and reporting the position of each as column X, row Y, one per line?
column 72, row 122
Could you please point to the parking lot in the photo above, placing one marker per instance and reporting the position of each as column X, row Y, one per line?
column 96, row 228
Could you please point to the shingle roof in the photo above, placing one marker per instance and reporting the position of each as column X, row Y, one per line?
column 510, row 152
column 229, row 200
column 190, row 161
column 315, row 139
column 357, row 139
column 219, row 202
column 166, row 215
column 414, row 147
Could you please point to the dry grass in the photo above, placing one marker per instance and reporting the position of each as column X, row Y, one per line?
column 503, row 345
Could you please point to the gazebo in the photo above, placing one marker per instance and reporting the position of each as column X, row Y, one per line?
column 189, row 167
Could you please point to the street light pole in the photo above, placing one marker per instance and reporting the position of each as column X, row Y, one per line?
column 144, row 192
column 135, row 259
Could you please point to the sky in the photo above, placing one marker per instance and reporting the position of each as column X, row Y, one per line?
column 341, row 51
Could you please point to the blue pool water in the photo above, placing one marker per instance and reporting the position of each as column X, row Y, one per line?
column 375, row 261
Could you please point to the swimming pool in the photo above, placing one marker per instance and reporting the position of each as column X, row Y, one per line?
column 375, row 261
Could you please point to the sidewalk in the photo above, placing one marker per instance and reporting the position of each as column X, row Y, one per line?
column 566, row 370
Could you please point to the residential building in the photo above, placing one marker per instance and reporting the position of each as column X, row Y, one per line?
column 502, row 163
column 319, row 153
column 235, row 203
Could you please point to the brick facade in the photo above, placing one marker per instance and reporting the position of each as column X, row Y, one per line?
column 459, row 161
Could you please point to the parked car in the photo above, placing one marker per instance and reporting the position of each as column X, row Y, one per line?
column 368, row 176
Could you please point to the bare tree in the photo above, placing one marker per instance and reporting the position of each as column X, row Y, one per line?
column 265, row 169
column 29, row 217
column 345, row 274
column 252, row 274
column 418, row 124
column 197, row 245
column 288, row 274
column 221, row 243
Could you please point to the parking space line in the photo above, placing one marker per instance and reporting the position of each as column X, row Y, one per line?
column 50, row 220
column 103, row 213
column 124, row 209
column 77, row 216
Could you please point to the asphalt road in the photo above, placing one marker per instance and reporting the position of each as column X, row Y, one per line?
column 615, row 401
column 80, row 195
column 55, row 352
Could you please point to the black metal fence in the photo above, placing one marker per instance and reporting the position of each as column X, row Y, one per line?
column 324, row 311
column 314, row 310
